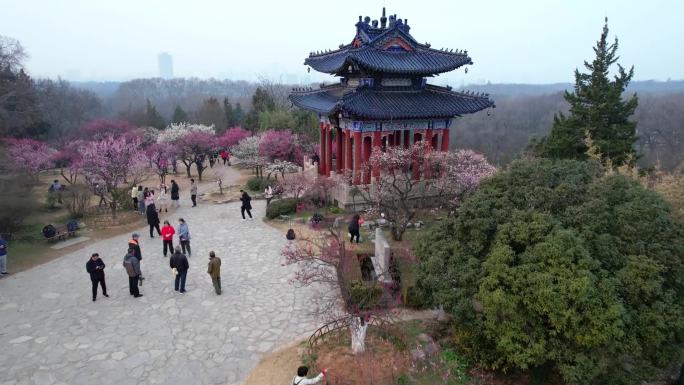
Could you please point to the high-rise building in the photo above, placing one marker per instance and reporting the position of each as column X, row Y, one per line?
column 165, row 65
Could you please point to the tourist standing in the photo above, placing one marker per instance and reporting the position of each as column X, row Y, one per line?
column 193, row 192
column 179, row 264
column 184, row 236
column 268, row 194
column 175, row 193
column 246, row 205
column 149, row 198
column 224, row 156
column 3, row 256
column 214, row 271
column 95, row 267
column 153, row 219
column 141, row 200
column 132, row 266
column 134, row 244
column 134, row 197
column 163, row 199
column 354, row 228
column 300, row 378
column 167, row 232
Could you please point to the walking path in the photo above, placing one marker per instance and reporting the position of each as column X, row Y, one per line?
column 52, row 333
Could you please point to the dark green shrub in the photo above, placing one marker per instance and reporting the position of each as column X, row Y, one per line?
column 257, row 184
column 553, row 263
column 364, row 295
column 280, row 207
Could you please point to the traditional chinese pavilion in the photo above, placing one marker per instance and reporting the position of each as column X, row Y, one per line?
column 383, row 98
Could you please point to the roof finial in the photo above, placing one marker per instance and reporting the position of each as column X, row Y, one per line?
column 383, row 19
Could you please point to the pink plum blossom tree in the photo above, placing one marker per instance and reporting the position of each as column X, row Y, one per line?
column 158, row 155
column 29, row 156
column 114, row 163
column 232, row 137
column 102, row 128
column 279, row 144
column 193, row 149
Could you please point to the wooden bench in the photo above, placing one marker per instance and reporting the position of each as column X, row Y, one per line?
column 62, row 232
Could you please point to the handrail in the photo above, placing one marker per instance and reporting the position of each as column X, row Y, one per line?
column 339, row 324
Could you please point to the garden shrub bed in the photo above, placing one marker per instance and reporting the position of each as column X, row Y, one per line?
column 280, row 207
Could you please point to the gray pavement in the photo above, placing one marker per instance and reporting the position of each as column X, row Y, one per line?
column 52, row 333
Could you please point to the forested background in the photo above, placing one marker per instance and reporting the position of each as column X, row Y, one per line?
column 56, row 109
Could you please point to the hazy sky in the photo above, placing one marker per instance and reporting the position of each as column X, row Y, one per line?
column 531, row 41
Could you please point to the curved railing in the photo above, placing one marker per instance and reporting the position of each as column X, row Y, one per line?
column 340, row 324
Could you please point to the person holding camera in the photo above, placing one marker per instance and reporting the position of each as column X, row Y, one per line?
column 95, row 267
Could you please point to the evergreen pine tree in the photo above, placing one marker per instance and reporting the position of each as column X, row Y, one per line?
column 179, row 115
column 597, row 111
column 228, row 111
column 262, row 101
column 152, row 117
column 238, row 114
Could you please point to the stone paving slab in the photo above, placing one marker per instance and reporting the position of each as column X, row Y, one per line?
column 69, row 242
column 52, row 333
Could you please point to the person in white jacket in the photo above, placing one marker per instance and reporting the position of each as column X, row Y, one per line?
column 300, row 378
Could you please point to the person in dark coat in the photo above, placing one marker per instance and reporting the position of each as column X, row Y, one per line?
column 153, row 220
column 134, row 244
column 132, row 266
column 95, row 267
column 179, row 262
column 246, row 205
column 175, row 194
column 354, row 228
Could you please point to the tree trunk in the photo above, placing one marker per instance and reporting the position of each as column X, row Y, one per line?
column 358, row 329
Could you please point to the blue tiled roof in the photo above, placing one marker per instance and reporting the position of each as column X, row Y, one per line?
column 369, row 103
column 421, row 61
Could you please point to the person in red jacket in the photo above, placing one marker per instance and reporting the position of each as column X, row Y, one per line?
column 167, row 233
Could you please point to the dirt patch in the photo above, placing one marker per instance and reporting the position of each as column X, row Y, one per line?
column 277, row 368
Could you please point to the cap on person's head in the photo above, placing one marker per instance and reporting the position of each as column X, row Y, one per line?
column 302, row 371
column 95, row 255
column 135, row 235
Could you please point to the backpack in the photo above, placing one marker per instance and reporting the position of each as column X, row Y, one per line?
column 290, row 235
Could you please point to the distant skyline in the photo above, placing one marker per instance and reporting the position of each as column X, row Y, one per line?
column 534, row 41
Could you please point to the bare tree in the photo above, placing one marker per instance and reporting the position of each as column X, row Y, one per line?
column 12, row 54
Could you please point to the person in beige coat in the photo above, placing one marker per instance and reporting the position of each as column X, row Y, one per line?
column 214, row 271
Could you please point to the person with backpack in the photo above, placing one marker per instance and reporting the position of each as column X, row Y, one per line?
column 132, row 266
column 246, row 205
column 184, row 236
column 95, row 267
column 214, row 271
column 179, row 264
column 167, row 232
column 300, row 378
column 175, row 194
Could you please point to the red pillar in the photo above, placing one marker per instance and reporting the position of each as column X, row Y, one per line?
column 377, row 144
column 407, row 138
column 417, row 137
column 321, row 163
column 445, row 140
column 328, row 166
column 366, row 159
column 349, row 161
column 397, row 138
column 428, row 137
column 340, row 153
column 357, row 157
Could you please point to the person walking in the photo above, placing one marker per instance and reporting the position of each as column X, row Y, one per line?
column 224, row 156
column 354, row 228
column 214, row 271
column 175, row 194
column 163, row 199
column 3, row 256
column 268, row 194
column 179, row 264
column 193, row 192
column 153, row 219
column 167, row 232
column 300, row 378
column 184, row 236
column 134, row 244
column 134, row 197
column 246, row 205
column 95, row 267
column 141, row 200
column 132, row 266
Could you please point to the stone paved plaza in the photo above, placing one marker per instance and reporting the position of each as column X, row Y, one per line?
column 52, row 333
